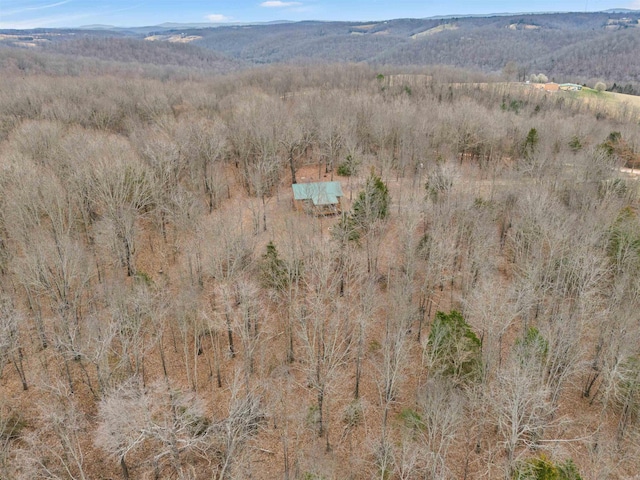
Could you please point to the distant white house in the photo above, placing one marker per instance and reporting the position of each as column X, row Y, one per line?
column 570, row 87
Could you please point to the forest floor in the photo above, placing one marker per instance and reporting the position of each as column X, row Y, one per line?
column 285, row 385
column 188, row 298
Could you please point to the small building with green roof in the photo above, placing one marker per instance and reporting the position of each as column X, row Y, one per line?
column 319, row 198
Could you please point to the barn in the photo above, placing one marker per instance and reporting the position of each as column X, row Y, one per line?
column 547, row 87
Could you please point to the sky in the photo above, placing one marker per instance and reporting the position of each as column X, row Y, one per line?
column 22, row 14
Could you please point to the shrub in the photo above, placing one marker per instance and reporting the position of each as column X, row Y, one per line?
column 374, row 346
column 542, row 468
column 313, row 415
column 346, row 230
column 11, row 425
column 530, row 143
column 344, row 170
column 628, row 390
column 372, row 203
column 312, row 476
column 532, row 346
column 616, row 186
column 454, row 349
column 411, row 419
column 349, row 167
column 623, row 247
column 610, row 145
column 276, row 273
column 272, row 268
column 143, row 278
column 439, row 183
column 574, row 144
column 352, row 415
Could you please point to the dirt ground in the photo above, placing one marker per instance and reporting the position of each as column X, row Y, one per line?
column 348, row 451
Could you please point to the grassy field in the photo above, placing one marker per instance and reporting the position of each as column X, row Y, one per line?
column 631, row 100
column 618, row 105
column 615, row 103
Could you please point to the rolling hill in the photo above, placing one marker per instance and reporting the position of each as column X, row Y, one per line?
column 565, row 46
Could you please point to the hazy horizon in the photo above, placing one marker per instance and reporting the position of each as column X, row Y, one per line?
column 26, row 14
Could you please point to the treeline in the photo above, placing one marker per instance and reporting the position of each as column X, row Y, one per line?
column 129, row 50
column 166, row 312
column 627, row 89
column 17, row 61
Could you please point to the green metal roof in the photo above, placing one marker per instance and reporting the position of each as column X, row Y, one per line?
column 320, row 193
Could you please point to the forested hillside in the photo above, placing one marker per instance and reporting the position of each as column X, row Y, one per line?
column 166, row 312
column 130, row 50
column 566, row 47
column 124, row 57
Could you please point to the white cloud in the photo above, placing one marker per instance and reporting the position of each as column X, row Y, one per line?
column 18, row 11
column 635, row 4
column 279, row 4
column 218, row 18
column 60, row 21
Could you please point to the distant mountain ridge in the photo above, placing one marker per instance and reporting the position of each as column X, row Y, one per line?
column 174, row 26
column 177, row 25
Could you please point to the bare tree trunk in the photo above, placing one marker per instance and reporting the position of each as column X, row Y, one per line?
column 289, row 328
column 131, row 270
column 264, row 214
column 125, row 469
column 216, row 357
column 37, row 319
column 356, row 393
column 293, row 168
column 232, row 351
column 17, row 363
column 320, row 407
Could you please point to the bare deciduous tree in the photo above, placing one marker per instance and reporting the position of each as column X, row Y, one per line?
column 162, row 424
column 204, row 146
column 122, row 190
column 325, row 332
column 244, row 419
column 442, row 408
column 10, row 341
column 123, row 416
column 521, row 406
column 57, row 450
column 11, row 426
